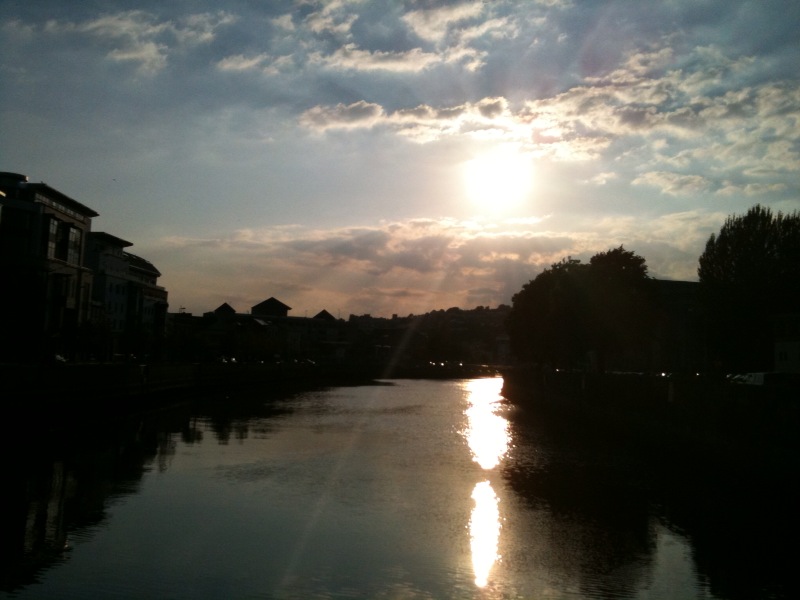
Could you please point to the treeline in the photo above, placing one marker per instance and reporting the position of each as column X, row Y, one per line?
column 608, row 313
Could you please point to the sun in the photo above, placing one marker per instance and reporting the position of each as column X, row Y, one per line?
column 498, row 180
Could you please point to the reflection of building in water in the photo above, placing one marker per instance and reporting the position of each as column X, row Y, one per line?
column 33, row 530
column 44, row 524
column 488, row 438
column 50, row 497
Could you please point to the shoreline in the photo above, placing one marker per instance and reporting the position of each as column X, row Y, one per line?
column 67, row 391
column 706, row 422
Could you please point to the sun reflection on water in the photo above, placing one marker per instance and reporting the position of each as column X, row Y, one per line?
column 484, row 531
column 488, row 438
column 487, row 432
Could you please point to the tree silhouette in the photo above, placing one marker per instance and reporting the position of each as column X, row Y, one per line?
column 749, row 275
column 622, row 302
column 545, row 324
column 585, row 314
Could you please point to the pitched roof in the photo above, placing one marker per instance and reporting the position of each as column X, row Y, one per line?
column 270, row 306
column 224, row 308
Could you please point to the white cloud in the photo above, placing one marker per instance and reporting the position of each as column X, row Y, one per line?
column 433, row 24
column 242, row 63
column 284, row 22
column 493, row 28
column 202, row 28
column 333, row 17
column 470, row 58
column 751, row 189
column 487, row 119
column 603, row 178
column 151, row 57
column 350, row 56
column 674, row 183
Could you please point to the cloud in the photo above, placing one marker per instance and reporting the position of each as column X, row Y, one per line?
column 603, row 178
column 679, row 117
column 284, row 22
column 416, row 265
column 141, row 37
column 433, row 24
column 241, row 62
column 263, row 63
column 150, row 56
column 333, row 17
column 674, row 183
column 494, row 29
column 334, row 113
column 397, row 266
column 487, row 119
column 350, row 56
column 358, row 115
column 751, row 189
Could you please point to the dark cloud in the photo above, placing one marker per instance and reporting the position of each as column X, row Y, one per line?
column 357, row 244
column 359, row 114
column 492, row 107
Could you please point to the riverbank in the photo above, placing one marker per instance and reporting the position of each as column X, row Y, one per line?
column 755, row 428
column 59, row 391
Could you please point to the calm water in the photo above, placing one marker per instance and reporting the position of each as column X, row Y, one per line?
column 415, row 489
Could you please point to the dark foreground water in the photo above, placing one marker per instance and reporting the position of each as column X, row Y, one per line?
column 415, row 489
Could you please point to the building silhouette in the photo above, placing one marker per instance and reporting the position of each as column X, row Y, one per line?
column 129, row 307
column 271, row 307
column 52, row 308
column 267, row 334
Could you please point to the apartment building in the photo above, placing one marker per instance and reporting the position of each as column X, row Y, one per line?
column 68, row 292
column 47, row 295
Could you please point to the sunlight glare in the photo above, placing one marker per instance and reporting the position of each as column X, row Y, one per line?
column 487, row 432
column 498, row 180
column 484, row 531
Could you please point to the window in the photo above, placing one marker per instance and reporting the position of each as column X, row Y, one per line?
column 74, row 246
column 52, row 236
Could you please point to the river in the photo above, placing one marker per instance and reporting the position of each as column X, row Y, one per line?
column 407, row 489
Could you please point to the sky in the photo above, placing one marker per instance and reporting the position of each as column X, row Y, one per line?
column 398, row 157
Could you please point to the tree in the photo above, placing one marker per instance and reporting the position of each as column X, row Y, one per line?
column 573, row 313
column 544, row 324
column 749, row 274
column 623, row 308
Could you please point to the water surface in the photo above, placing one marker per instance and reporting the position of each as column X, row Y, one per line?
column 413, row 489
